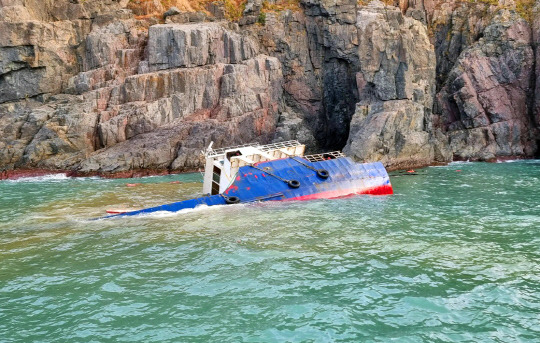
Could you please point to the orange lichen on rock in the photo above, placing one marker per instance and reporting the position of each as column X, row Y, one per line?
column 156, row 8
column 281, row 5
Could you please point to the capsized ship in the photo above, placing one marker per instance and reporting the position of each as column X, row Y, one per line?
column 280, row 171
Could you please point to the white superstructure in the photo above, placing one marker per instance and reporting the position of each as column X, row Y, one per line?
column 223, row 164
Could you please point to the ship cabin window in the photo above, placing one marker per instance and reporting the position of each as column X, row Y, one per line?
column 328, row 156
column 216, row 176
column 233, row 153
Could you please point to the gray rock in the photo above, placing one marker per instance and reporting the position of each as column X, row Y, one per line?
column 190, row 45
column 248, row 20
column 37, row 57
column 197, row 17
column 121, row 115
column 186, row 17
column 172, row 123
column 171, row 11
column 396, row 86
column 253, row 7
column 332, row 54
column 286, row 37
column 181, row 18
column 292, row 127
column 217, row 9
column 392, row 132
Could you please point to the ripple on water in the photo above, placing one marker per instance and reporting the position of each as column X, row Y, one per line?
column 452, row 257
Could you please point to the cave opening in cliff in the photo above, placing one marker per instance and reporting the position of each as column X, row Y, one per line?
column 340, row 98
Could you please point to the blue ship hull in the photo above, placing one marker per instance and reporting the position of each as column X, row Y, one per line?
column 291, row 179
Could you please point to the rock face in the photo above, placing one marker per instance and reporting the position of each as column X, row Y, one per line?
column 318, row 51
column 455, row 26
column 194, row 45
column 86, row 86
column 486, row 100
column 334, row 39
column 124, row 104
column 163, row 120
column 396, row 86
column 485, row 76
column 285, row 36
column 536, row 45
column 76, row 52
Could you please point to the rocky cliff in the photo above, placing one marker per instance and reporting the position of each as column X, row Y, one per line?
column 105, row 92
column 97, row 86
column 396, row 86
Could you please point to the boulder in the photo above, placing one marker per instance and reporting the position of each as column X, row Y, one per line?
column 171, row 11
column 392, row 132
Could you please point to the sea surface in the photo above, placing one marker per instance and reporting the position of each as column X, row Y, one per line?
column 453, row 256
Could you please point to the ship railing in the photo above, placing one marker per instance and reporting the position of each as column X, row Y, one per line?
column 266, row 147
column 280, row 145
column 221, row 151
column 325, row 156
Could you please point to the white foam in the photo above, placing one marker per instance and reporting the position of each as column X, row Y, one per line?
column 42, row 178
column 200, row 208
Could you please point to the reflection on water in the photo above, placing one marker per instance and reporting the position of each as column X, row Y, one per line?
column 453, row 256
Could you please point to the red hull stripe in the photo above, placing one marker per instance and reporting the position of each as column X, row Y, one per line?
column 379, row 190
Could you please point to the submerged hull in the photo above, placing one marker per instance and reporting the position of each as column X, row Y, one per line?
column 271, row 181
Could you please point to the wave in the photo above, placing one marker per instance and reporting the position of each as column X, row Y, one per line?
column 200, row 208
column 459, row 162
column 42, row 178
column 166, row 214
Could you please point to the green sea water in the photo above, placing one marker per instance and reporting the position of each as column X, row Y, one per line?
column 453, row 256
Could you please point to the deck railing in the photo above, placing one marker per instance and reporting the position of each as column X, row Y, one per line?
column 325, row 156
column 279, row 145
column 266, row 147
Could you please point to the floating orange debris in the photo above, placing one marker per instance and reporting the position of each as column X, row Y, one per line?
column 133, row 184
